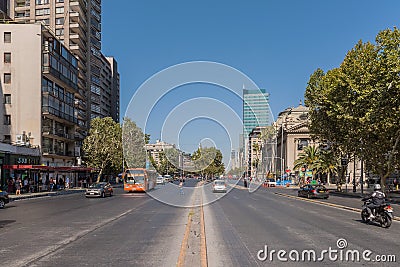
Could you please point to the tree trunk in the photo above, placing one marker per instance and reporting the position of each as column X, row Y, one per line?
column 99, row 175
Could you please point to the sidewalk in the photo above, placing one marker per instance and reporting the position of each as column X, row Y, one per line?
column 46, row 193
column 393, row 197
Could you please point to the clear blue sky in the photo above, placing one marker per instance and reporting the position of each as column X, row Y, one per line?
column 278, row 44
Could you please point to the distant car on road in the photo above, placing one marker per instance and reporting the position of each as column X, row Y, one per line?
column 271, row 182
column 313, row 191
column 4, row 199
column 219, row 186
column 160, row 180
column 168, row 178
column 101, row 189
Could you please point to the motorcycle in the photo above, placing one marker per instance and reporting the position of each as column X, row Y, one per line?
column 383, row 214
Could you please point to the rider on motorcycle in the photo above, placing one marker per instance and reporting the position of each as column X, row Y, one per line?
column 378, row 199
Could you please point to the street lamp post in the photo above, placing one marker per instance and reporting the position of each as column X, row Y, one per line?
column 282, row 159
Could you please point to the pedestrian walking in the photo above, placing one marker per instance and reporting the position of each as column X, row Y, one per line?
column 18, row 185
column 51, row 184
column 10, row 188
column 181, row 188
column 67, row 182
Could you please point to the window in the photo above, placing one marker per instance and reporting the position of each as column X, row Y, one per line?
column 7, row 37
column 59, row 1
column 59, row 21
column 7, row 78
column 7, row 57
column 59, row 10
column 43, row 11
column 42, row 2
column 302, row 143
column 7, row 99
column 7, row 119
column 59, row 32
column 7, row 139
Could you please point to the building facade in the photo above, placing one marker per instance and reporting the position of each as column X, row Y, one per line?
column 77, row 24
column 256, row 113
column 156, row 149
column 255, row 155
column 255, row 110
column 39, row 83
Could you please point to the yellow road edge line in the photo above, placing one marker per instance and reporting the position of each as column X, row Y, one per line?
column 203, row 243
column 326, row 203
column 182, row 253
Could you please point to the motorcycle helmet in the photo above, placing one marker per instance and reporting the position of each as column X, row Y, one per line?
column 377, row 187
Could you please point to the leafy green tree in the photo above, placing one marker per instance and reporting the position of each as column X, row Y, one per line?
column 357, row 106
column 133, row 141
column 103, row 146
column 168, row 164
column 208, row 161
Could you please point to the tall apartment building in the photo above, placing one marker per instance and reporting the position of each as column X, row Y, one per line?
column 77, row 23
column 39, row 93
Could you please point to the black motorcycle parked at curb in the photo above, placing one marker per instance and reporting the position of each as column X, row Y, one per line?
column 382, row 215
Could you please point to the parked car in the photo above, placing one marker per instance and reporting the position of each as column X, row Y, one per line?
column 4, row 199
column 271, row 182
column 313, row 191
column 101, row 189
column 219, row 186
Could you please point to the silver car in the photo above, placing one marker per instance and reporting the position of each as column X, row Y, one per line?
column 219, row 186
column 101, row 189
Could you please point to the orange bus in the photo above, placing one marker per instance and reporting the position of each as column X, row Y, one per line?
column 139, row 180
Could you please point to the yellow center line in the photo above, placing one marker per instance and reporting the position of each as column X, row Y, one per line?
column 182, row 254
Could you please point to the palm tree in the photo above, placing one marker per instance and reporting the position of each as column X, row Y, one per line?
column 327, row 163
column 309, row 158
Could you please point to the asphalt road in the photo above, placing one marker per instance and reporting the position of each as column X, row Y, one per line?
column 244, row 223
column 141, row 230
column 70, row 230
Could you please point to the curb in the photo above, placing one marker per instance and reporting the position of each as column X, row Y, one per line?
column 390, row 200
column 46, row 194
column 327, row 204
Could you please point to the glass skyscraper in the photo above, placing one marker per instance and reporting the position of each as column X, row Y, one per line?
column 255, row 110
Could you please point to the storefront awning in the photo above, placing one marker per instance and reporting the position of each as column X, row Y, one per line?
column 47, row 168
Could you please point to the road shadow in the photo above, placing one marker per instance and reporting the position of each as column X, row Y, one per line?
column 6, row 222
column 344, row 194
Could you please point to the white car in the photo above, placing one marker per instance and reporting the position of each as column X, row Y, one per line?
column 160, row 180
column 219, row 186
column 271, row 182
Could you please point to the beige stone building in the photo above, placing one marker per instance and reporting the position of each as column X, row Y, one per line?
column 39, row 93
column 77, row 24
column 277, row 154
column 157, row 148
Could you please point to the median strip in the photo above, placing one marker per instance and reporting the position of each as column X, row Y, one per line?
column 182, row 254
column 203, row 243
column 325, row 203
column 193, row 250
